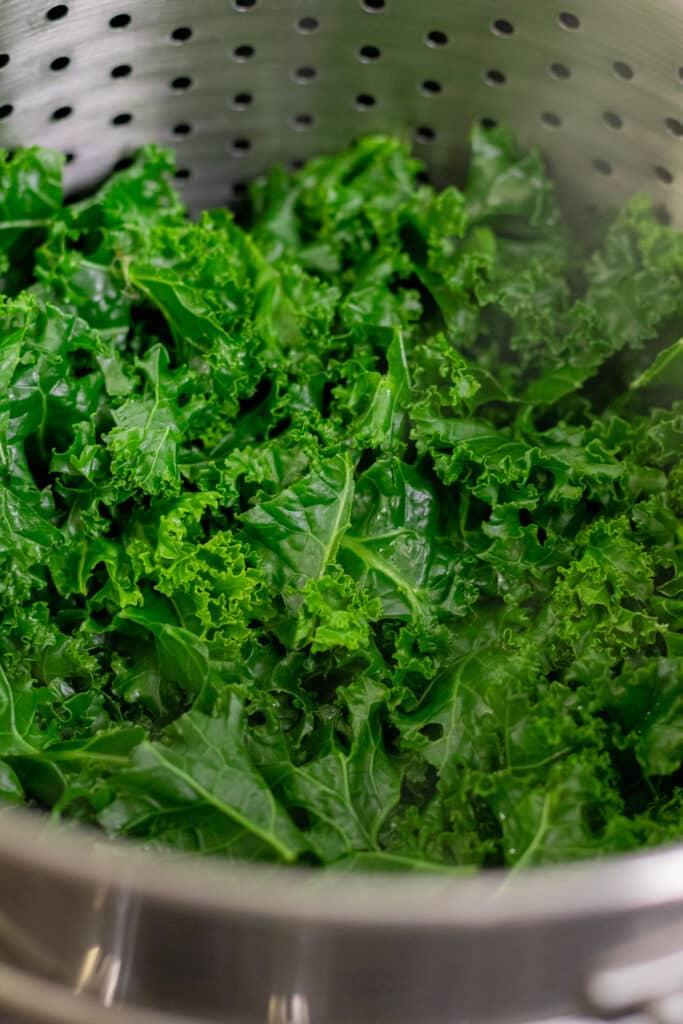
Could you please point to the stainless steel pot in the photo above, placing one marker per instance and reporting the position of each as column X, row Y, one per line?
column 92, row 933
column 104, row 935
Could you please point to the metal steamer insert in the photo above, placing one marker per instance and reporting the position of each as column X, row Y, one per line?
column 234, row 87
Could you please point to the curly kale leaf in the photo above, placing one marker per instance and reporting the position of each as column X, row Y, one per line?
column 347, row 530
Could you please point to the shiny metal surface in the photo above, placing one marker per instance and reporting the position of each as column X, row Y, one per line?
column 98, row 934
column 90, row 933
column 237, row 84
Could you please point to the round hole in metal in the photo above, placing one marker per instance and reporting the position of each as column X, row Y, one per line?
column 436, row 38
column 305, row 74
column 57, row 12
column 369, row 53
column 559, row 70
column 424, row 134
column 308, row 24
column 61, row 112
column 120, row 119
column 121, row 71
column 120, row 21
column 664, row 174
column 59, row 63
column 494, row 76
column 502, row 27
column 613, row 120
column 623, row 70
column 550, row 119
column 568, row 20
column 602, row 166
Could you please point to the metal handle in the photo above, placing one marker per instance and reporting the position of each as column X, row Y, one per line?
column 645, row 976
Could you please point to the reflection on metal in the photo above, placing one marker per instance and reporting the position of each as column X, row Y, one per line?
column 645, row 973
column 31, row 1000
column 89, row 966
column 288, row 1009
column 668, row 1011
column 99, row 975
column 101, row 970
column 619, row 987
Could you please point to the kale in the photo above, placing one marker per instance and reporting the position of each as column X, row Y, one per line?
column 349, row 534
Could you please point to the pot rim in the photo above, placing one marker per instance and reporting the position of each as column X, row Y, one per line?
column 490, row 899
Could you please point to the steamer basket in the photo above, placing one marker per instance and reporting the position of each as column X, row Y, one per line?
column 93, row 935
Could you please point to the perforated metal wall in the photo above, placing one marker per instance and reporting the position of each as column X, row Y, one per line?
column 235, row 84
